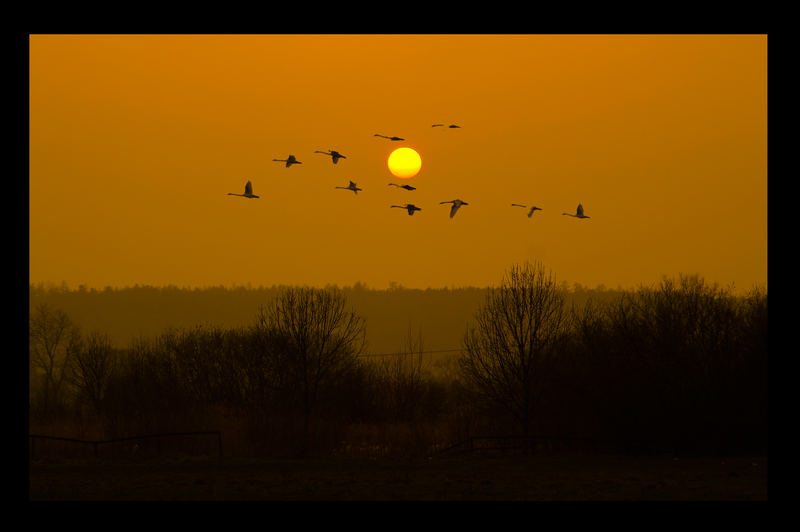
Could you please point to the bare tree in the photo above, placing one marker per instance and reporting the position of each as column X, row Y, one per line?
column 317, row 340
column 508, row 351
column 92, row 366
column 52, row 341
column 402, row 378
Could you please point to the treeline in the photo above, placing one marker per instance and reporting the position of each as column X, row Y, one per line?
column 679, row 367
column 128, row 313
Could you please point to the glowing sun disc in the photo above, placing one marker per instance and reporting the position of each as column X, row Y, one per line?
column 404, row 162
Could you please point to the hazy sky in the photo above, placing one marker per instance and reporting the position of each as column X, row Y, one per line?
column 136, row 140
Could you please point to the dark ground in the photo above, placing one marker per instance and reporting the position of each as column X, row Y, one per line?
column 563, row 477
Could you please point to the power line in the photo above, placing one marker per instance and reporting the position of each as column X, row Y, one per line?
column 410, row 353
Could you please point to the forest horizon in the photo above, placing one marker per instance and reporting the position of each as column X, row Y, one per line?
column 438, row 315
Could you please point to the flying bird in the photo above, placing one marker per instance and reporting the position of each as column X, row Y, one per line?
column 530, row 213
column 578, row 214
column 456, row 204
column 352, row 186
column 333, row 153
column 390, row 138
column 407, row 187
column 289, row 161
column 410, row 207
column 248, row 191
column 451, row 126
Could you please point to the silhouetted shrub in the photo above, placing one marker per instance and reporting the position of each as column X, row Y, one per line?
column 672, row 367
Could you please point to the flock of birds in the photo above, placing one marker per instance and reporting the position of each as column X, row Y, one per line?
column 411, row 208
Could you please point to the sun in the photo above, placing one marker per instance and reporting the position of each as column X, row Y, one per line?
column 404, row 163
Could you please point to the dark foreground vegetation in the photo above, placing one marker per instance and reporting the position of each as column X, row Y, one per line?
column 678, row 369
column 539, row 477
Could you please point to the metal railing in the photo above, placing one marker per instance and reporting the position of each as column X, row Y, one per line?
column 96, row 443
column 506, row 443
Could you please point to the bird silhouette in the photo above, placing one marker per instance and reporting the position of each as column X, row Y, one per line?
column 352, row 186
column 451, row 126
column 407, row 187
column 333, row 153
column 578, row 214
column 410, row 207
column 248, row 191
column 289, row 161
column 390, row 138
column 530, row 213
column 457, row 203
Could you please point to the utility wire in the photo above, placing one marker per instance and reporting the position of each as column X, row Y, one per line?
column 410, row 353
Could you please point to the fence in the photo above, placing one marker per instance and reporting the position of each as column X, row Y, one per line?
column 96, row 443
column 512, row 443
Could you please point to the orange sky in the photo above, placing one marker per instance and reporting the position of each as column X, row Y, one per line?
column 135, row 141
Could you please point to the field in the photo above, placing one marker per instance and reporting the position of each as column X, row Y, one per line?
column 561, row 477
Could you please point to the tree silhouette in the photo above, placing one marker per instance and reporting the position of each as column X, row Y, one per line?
column 53, row 340
column 316, row 339
column 681, row 365
column 509, row 350
column 92, row 365
column 402, row 380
